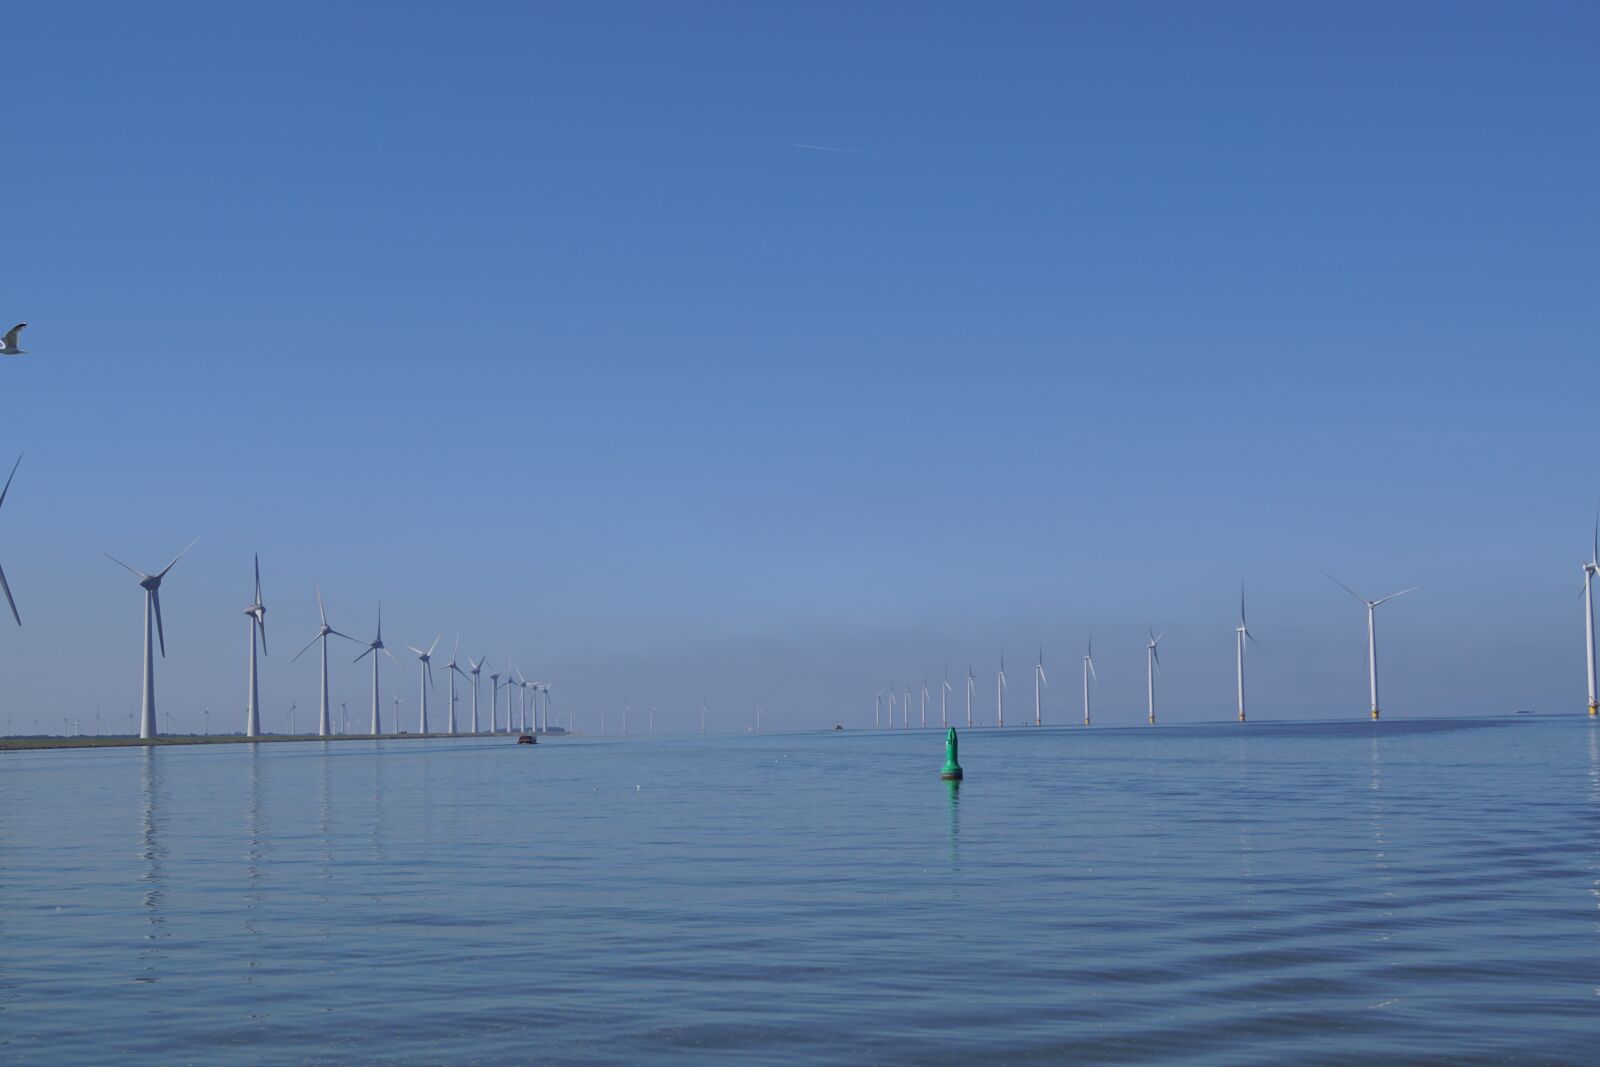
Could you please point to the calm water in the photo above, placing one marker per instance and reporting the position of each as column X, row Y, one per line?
column 1424, row 892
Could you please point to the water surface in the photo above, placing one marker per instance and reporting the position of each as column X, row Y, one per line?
column 1338, row 893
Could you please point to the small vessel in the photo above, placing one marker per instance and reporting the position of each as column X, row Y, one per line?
column 527, row 739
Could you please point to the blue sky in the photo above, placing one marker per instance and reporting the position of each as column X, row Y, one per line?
column 534, row 323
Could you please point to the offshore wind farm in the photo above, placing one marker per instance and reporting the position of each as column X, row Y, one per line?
column 630, row 419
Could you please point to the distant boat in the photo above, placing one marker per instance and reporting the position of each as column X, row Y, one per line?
column 527, row 739
column 1524, row 711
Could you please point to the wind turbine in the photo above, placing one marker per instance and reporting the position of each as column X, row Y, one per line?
column 905, row 711
column 151, row 584
column 494, row 702
column 1000, row 693
column 373, row 648
column 473, row 669
column 1038, row 679
column 924, row 702
column 451, row 670
column 625, row 710
column 426, row 681
column 1590, row 570
column 294, row 705
column 324, row 725
column 258, row 623
column 1242, row 633
column 7, row 588
column 652, row 714
column 397, row 702
column 891, row 705
column 344, row 726
column 1088, row 672
column 1372, row 640
column 702, row 715
column 971, row 678
column 1152, row 664
column 877, row 708
column 944, row 691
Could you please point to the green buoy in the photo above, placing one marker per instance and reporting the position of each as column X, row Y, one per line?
column 952, row 769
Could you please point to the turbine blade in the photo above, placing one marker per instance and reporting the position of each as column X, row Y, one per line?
column 303, row 651
column 386, row 652
column 1391, row 596
column 1252, row 638
column 435, row 643
column 415, row 649
column 155, row 600
column 176, row 558
column 261, row 624
column 142, row 575
column 1341, row 585
column 1044, row 677
column 320, row 609
column 1092, row 673
column 364, row 655
column 13, row 474
column 7, row 589
column 258, row 577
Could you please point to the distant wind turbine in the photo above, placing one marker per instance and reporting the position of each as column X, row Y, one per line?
column 891, row 705
column 905, row 715
column 1000, row 693
column 971, row 681
column 877, row 709
column 151, row 584
column 258, row 624
column 1242, row 634
column 474, row 668
column 702, row 715
column 425, row 682
column 1038, row 680
column 494, row 702
column 373, row 648
column 324, row 726
column 945, row 690
column 1152, row 666
column 1590, row 570
column 1372, row 639
column 924, row 702
column 3, row 586
column 1088, row 673
column 452, row 669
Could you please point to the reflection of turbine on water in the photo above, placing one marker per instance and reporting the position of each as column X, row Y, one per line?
column 255, row 853
column 1380, row 853
column 154, row 876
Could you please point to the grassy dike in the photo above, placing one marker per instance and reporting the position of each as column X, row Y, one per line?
column 17, row 744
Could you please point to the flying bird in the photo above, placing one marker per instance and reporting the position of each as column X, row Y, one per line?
column 8, row 343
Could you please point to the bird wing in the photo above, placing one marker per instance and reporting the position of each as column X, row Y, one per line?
column 10, row 339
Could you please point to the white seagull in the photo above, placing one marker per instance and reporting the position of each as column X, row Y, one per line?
column 8, row 343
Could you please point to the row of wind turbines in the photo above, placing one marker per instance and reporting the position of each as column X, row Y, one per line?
column 1242, row 638
column 516, row 717
column 256, row 615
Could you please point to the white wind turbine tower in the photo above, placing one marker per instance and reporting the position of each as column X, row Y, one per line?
column 924, row 703
column 373, row 648
column 494, row 702
column 1242, row 634
column 451, row 669
column 1590, row 570
column 891, row 705
column 877, row 710
column 945, row 690
column 1088, row 673
column 1038, row 680
column 1152, row 664
column 258, row 623
column 905, row 715
column 971, row 681
column 1000, row 693
column 7, row 589
column 702, row 715
column 1372, row 639
column 151, row 584
column 473, row 669
column 324, row 725
column 425, row 682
